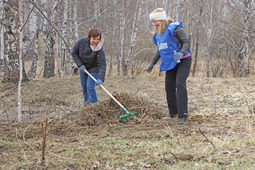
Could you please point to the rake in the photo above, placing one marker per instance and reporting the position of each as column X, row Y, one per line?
column 122, row 116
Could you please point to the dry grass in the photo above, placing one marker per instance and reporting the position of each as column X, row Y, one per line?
column 219, row 134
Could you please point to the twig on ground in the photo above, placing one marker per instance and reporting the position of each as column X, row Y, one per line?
column 24, row 139
column 44, row 135
column 207, row 138
column 172, row 136
column 7, row 116
column 25, row 156
column 174, row 156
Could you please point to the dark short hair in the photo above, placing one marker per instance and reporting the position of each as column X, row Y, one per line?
column 94, row 32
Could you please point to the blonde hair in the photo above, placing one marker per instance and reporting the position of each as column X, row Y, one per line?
column 163, row 24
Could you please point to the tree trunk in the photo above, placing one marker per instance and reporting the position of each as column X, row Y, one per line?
column 116, row 37
column 243, row 57
column 133, row 38
column 1, row 48
column 208, row 59
column 171, row 8
column 189, row 20
column 122, row 35
column 49, row 42
column 32, row 72
column 20, row 64
column 197, row 42
column 63, row 45
column 11, row 43
column 33, row 29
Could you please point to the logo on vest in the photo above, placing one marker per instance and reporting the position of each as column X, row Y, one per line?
column 162, row 46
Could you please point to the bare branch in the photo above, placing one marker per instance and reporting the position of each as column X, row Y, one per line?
column 27, row 18
column 234, row 46
column 36, row 6
column 207, row 138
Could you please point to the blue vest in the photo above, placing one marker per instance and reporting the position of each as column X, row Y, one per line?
column 166, row 46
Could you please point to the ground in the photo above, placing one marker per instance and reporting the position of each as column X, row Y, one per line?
column 219, row 133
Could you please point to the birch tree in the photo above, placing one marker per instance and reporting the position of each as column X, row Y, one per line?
column 64, row 36
column 209, row 28
column 49, row 42
column 244, row 47
column 11, row 41
column 2, row 46
column 122, row 32
column 33, row 29
column 132, row 39
column 20, row 62
column 116, row 38
column 197, row 39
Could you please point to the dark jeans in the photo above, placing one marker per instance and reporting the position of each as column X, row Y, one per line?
column 88, row 88
column 175, row 86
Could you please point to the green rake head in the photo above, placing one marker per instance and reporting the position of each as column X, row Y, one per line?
column 127, row 115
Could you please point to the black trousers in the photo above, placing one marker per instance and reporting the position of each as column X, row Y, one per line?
column 175, row 86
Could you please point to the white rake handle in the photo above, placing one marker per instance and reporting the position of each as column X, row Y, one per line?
column 107, row 92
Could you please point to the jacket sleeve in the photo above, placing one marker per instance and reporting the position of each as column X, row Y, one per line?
column 180, row 34
column 156, row 58
column 101, row 63
column 75, row 53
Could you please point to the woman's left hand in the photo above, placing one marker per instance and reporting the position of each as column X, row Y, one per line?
column 99, row 82
column 178, row 56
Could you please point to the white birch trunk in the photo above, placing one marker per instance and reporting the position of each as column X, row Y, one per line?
column 64, row 35
column 75, row 16
column 49, row 41
column 122, row 34
column 210, row 30
column 11, row 43
column 33, row 29
column 71, row 37
column 116, row 36
column 20, row 63
column 1, row 47
column 243, row 59
column 133, row 37
column 96, row 12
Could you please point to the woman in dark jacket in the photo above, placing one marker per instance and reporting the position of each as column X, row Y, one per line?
column 175, row 57
column 88, row 53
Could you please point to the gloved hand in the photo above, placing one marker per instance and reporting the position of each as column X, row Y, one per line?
column 98, row 82
column 149, row 68
column 82, row 68
column 178, row 56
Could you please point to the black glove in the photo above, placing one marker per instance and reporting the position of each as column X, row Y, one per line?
column 82, row 68
column 149, row 68
column 99, row 82
column 178, row 56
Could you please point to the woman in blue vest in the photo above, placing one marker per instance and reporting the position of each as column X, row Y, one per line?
column 88, row 53
column 172, row 43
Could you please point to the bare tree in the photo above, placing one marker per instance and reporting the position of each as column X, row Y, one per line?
column 209, row 28
column 49, row 42
column 126, row 32
column 64, row 35
column 122, row 32
column 33, row 30
column 11, row 43
column 20, row 63
column 197, row 39
column 133, row 39
column 244, row 47
column 1, row 46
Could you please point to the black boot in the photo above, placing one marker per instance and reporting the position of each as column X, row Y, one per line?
column 182, row 117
